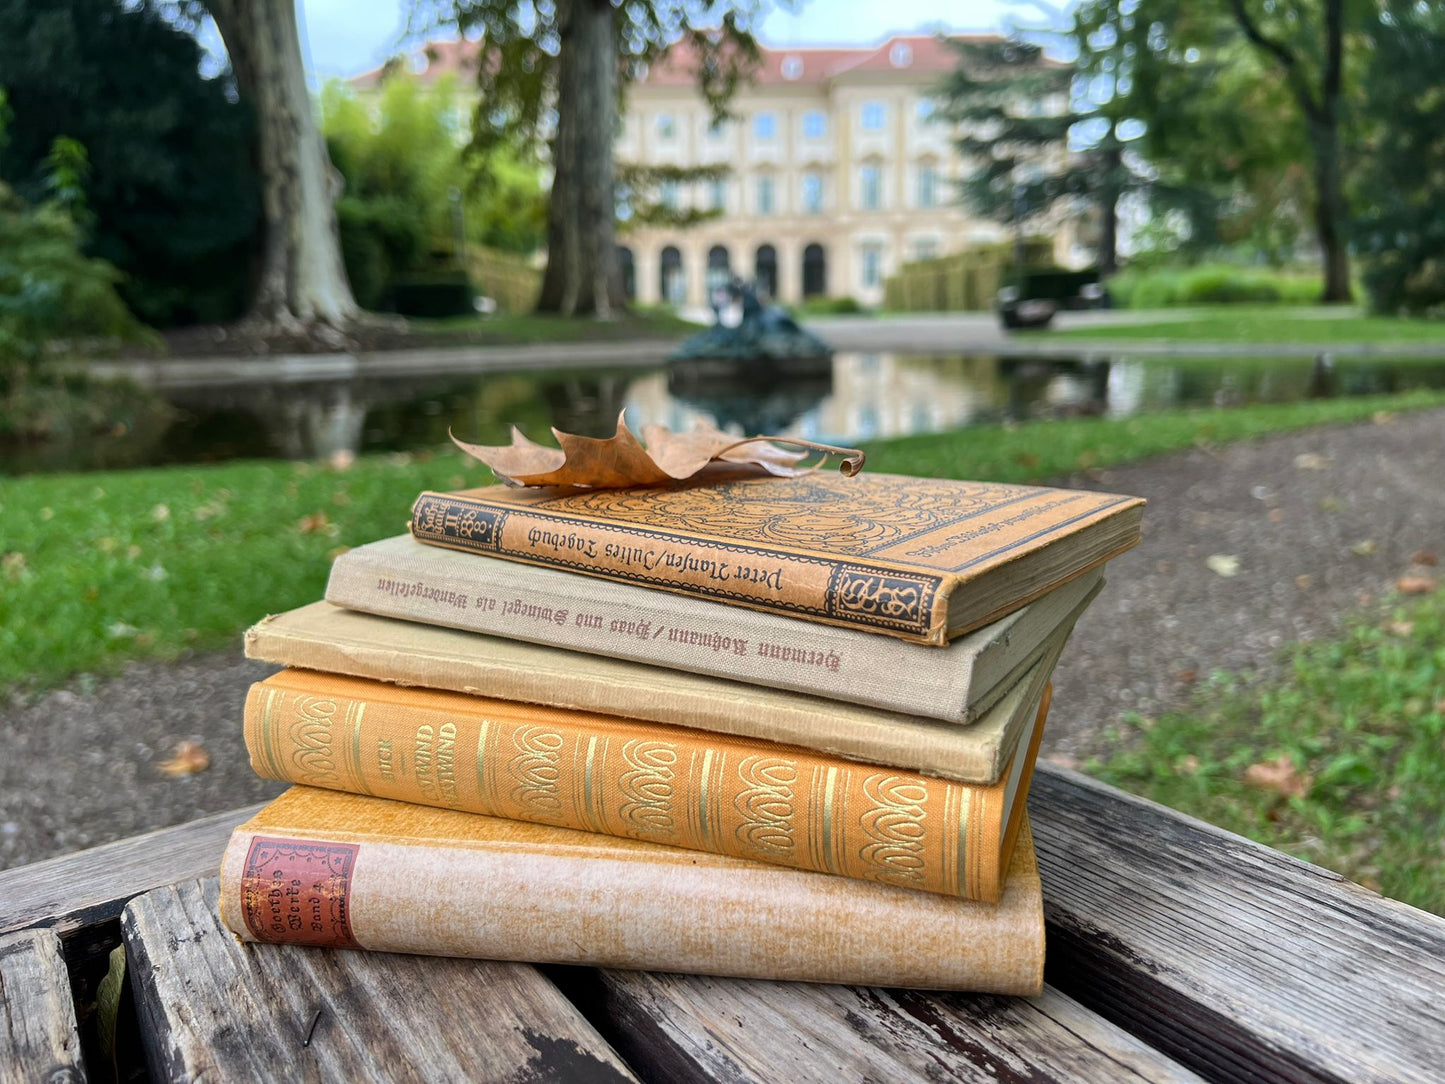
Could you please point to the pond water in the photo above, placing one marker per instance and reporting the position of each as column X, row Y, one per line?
column 854, row 399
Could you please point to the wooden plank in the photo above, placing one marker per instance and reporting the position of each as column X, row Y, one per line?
column 38, row 1036
column 1239, row 961
column 686, row 1028
column 212, row 1007
column 90, row 887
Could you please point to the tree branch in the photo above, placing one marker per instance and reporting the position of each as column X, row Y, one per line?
column 1282, row 53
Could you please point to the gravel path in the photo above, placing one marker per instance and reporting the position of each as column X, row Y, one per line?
column 1318, row 522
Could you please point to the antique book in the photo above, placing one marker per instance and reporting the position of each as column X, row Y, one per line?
column 334, row 870
column 665, row 784
column 923, row 559
column 400, row 577
column 325, row 637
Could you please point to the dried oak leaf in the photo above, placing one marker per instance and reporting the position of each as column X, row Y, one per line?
column 189, row 758
column 1415, row 585
column 622, row 460
column 1280, row 776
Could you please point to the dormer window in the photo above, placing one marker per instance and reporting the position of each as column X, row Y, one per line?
column 792, row 67
column 901, row 55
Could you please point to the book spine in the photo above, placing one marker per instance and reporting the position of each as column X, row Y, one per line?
column 745, row 920
column 746, row 799
column 880, row 598
column 657, row 628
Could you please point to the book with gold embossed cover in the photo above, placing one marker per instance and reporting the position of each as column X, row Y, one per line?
column 924, row 559
column 748, row 798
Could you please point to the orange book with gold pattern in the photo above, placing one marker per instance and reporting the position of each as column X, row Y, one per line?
column 665, row 784
column 924, row 559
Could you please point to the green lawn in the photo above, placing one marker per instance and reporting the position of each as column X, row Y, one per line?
column 1250, row 324
column 1342, row 764
column 103, row 567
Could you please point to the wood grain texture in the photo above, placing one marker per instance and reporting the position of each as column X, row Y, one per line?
column 38, row 1036
column 686, row 1028
column 1238, row 960
column 91, row 887
column 216, row 1009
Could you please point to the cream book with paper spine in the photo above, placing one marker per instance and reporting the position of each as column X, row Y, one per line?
column 402, row 578
column 337, row 870
column 330, row 639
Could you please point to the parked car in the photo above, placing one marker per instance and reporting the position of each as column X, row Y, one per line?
column 1030, row 300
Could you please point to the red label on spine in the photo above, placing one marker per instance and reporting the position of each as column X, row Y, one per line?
column 298, row 892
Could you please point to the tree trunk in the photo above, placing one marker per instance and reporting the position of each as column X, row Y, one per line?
column 583, row 276
column 302, row 284
column 1330, row 212
column 1108, row 254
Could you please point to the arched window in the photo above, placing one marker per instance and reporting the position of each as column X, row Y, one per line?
column 815, row 271
column 672, row 279
column 719, row 267
column 765, row 271
column 627, row 267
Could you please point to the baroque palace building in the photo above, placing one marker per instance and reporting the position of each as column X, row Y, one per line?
column 839, row 171
column 839, row 174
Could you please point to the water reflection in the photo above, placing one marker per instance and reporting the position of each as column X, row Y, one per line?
column 854, row 398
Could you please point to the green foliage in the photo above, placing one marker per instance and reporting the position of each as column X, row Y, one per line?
column 50, row 293
column 1358, row 722
column 110, row 111
column 435, row 295
column 1212, row 284
column 517, row 65
column 410, row 187
column 640, row 194
column 103, row 567
column 1401, row 230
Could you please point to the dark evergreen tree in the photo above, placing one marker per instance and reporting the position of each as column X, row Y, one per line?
column 171, row 188
column 1040, row 146
column 1401, row 227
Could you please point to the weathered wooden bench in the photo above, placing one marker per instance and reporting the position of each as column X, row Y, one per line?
column 1176, row 952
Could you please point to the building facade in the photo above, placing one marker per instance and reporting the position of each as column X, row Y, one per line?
column 839, row 173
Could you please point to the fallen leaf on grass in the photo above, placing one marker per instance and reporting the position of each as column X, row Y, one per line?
column 1424, row 557
column 189, row 758
column 316, row 521
column 1415, row 585
column 622, row 460
column 1400, row 628
column 1188, row 676
column 342, row 459
column 161, row 512
column 1276, row 515
column 1303, row 582
column 1280, row 776
column 1222, row 564
column 1310, row 461
column 1187, row 765
column 1363, row 548
column 12, row 565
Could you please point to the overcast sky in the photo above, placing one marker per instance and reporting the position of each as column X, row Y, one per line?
column 345, row 37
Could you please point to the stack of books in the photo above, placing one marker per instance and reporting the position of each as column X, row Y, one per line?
column 743, row 726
